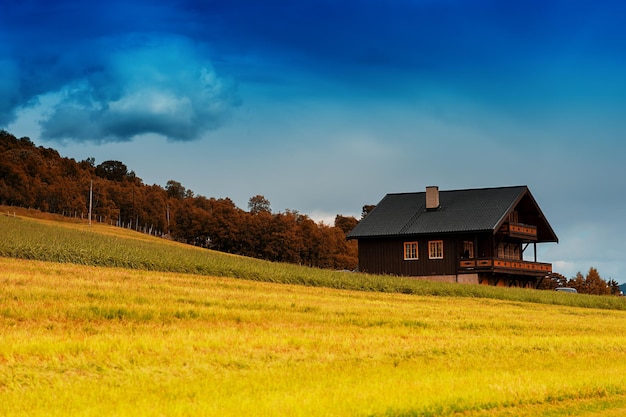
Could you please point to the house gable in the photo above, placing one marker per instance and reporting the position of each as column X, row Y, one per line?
column 526, row 211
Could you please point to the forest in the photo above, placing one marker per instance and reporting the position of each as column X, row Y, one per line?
column 40, row 178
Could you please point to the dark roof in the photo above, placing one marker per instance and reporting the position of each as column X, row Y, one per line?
column 460, row 211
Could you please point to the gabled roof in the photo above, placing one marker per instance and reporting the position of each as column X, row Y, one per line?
column 460, row 211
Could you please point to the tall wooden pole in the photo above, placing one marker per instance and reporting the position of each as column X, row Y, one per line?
column 90, row 200
column 168, row 218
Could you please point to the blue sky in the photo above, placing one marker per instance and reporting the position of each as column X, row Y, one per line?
column 324, row 106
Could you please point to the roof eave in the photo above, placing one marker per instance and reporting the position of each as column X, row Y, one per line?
column 429, row 234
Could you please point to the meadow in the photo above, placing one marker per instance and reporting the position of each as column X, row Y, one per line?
column 109, row 246
column 105, row 321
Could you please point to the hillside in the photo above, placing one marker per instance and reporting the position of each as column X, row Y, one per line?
column 108, row 246
column 39, row 178
column 108, row 321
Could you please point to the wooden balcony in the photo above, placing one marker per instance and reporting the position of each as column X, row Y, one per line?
column 504, row 266
column 519, row 231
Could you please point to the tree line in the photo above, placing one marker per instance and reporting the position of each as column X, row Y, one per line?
column 591, row 283
column 40, row 178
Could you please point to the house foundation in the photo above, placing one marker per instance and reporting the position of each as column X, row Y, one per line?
column 457, row 278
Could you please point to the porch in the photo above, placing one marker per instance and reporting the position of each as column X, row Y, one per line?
column 504, row 266
column 524, row 232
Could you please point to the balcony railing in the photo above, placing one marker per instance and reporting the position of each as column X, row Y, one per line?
column 506, row 266
column 519, row 231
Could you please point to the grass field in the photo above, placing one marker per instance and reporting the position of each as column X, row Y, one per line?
column 108, row 246
column 79, row 335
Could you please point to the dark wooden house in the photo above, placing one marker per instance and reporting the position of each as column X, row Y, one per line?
column 486, row 236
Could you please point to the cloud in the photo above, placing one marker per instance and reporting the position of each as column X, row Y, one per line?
column 142, row 84
column 9, row 90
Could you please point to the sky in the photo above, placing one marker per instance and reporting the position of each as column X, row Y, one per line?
column 325, row 106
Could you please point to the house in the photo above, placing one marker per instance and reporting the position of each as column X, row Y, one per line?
column 482, row 236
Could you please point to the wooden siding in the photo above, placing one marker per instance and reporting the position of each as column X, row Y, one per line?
column 386, row 256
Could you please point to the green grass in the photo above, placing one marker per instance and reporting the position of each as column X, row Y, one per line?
column 107, row 246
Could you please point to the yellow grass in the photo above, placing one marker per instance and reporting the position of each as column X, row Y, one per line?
column 85, row 341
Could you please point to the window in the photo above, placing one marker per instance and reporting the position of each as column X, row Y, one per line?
column 468, row 249
column 410, row 250
column 435, row 249
column 509, row 251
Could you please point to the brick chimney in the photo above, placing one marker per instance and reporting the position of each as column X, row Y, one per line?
column 432, row 198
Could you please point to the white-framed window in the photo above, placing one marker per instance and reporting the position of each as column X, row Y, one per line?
column 468, row 249
column 410, row 251
column 435, row 249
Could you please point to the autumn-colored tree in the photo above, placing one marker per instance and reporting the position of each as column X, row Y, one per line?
column 346, row 224
column 175, row 190
column 367, row 209
column 283, row 243
column 254, row 234
column 154, row 209
column 223, row 226
column 614, row 287
column 312, row 242
column 595, row 284
column 112, row 170
column 259, row 204
column 192, row 224
column 578, row 282
column 335, row 252
column 552, row 281
column 592, row 283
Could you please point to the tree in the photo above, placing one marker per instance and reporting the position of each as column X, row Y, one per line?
column 312, row 241
column 367, row 209
column 346, row 224
column 91, row 161
column 224, row 226
column 590, row 284
column 552, row 281
column 578, row 282
column 112, row 170
column 335, row 251
column 595, row 284
column 259, row 204
column 614, row 287
column 175, row 190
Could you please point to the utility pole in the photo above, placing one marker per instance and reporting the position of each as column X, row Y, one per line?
column 90, row 200
column 168, row 218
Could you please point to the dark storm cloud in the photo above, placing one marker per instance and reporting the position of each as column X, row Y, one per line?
column 143, row 84
column 120, row 68
column 113, row 77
